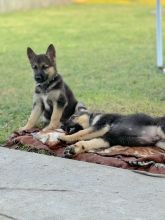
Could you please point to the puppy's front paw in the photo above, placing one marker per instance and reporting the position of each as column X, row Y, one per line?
column 69, row 151
column 65, row 138
column 75, row 149
column 62, row 138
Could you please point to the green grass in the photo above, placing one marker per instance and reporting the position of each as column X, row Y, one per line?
column 106, row 53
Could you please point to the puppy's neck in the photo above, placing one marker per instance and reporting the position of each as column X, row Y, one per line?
column 48, row 81
column 94, row 118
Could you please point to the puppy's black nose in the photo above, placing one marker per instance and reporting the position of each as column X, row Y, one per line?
column 38, row 77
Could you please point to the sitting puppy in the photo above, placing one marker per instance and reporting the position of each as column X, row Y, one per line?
column 106, row 130
column 52, row 99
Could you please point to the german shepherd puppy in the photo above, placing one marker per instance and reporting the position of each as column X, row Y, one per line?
column 98, row 130
column 52, row 98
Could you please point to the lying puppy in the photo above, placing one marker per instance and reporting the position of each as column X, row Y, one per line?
column 98, row 130
column 52, row 99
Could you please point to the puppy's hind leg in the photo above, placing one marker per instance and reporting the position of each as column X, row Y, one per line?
column 85, row 146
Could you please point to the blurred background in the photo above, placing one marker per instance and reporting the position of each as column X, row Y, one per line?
column 106, row 53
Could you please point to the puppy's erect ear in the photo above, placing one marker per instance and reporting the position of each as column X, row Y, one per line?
column 51, row 52
column 30, row 53
column 80, row 107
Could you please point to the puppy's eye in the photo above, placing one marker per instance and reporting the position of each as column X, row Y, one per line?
column 34, row 67
column 44, row 66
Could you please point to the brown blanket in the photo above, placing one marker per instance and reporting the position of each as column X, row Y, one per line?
column 150, row 159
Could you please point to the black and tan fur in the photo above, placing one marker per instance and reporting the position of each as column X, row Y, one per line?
column 106, row 130
column 53, row 99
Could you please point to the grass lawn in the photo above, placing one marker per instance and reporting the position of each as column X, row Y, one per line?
column 106, row 53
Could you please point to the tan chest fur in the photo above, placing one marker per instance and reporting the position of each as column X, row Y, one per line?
column 52, row 96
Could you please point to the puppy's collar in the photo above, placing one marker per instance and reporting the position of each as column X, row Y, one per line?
column 47, row 82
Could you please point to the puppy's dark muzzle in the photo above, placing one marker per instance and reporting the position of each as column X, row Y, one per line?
column 71, row 128
column 66, row 128
column 40, row 77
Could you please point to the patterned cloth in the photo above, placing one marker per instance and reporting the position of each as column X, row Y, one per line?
column 150, row 159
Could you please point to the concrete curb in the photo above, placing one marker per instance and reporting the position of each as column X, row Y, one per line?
column 40, row 187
